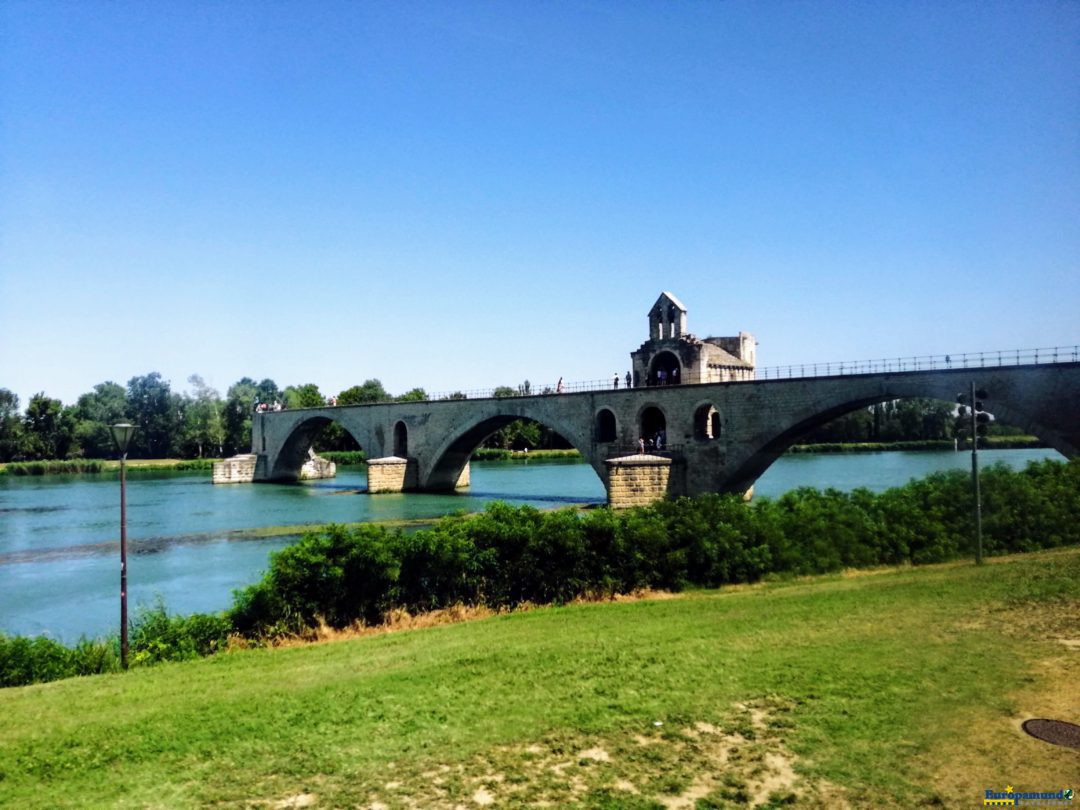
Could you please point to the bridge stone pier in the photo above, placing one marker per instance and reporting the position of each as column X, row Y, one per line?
column 720, row 436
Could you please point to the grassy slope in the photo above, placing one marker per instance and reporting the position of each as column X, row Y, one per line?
column 887, row 689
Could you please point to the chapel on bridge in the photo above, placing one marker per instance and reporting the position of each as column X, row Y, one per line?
column 672, row 355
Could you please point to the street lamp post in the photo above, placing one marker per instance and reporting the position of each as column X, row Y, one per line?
column 973, row 404
column 976, row 494
column 122, row 434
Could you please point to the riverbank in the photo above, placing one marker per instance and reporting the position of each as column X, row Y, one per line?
column 91, row 465
column 985, row 443
column 827, row 685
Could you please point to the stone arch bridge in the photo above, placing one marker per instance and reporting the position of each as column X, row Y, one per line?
column 720, row 437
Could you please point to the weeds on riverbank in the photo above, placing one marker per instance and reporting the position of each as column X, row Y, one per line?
column 499, row 454
column 91, row 465
column 344, row 458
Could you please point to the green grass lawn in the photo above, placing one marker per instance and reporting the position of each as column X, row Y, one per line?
column 888, row 688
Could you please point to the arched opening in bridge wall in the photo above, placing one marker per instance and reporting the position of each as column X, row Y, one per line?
column 295, row 450
column 665, row 369
column 521, row 435
column 653, row 427
column 498, row 431
column 334, row 437
column 707, row 423
column 606, row 428
column 401, row 440
column 924, row 419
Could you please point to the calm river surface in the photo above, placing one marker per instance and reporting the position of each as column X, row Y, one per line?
column 59, row 558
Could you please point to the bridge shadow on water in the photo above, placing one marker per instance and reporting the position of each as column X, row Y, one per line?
column 534, row 496
column 527, row 497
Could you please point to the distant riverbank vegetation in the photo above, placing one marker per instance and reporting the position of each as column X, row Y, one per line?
column 90, row 465
column 1018, row 442
column 507, row 557
column 502, row 454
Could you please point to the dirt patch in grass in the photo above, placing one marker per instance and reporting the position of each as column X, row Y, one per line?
column 739, row 761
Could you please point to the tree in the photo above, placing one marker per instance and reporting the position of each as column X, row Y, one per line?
column 95, row 411
column 49, row 428
column 156, row 412
column 239, row 406
column 370, row 392
column 204, row 428
column 303, row 396
column 268, row 391
column 415, row 395
column 504, row 391
column 11, row 432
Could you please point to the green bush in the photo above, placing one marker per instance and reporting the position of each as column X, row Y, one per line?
column 157, row 636
column 34, row 660
column 338, row 575
column 345, row 458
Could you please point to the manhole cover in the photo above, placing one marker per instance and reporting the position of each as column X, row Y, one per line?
column 1057, row 732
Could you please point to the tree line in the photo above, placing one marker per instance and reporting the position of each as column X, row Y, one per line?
column 901, row 420
column 199, row 423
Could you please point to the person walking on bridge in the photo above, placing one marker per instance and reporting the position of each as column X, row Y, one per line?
column 615, row 380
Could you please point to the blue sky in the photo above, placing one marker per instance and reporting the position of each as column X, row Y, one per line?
column 462, row 195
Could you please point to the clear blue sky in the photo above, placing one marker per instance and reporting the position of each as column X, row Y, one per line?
column 459, row 195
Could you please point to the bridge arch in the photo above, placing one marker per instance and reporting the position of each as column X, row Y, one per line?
column 447, row 459
column 401, row 439
column 284, row 461
column 1008, row 403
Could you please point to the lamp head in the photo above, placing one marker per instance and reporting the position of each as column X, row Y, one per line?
column 122, row 434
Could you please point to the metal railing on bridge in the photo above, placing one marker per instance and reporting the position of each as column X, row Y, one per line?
column 928, row 362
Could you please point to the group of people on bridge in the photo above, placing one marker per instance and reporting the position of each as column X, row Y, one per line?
column 656, row 442
column 661, row 377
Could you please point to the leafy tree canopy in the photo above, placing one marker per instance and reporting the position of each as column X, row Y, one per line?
column 370, row 392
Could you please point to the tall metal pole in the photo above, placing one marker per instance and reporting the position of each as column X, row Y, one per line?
column 123, row 565
column 975, row 479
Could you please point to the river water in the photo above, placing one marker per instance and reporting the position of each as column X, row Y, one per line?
column 191, row 543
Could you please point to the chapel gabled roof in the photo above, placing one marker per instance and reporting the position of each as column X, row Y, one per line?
column 671, row 298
